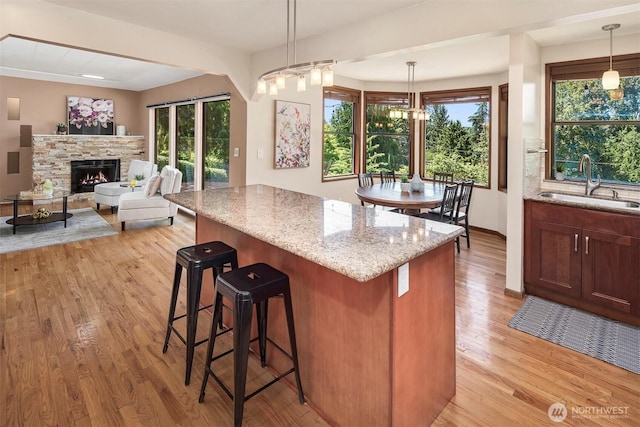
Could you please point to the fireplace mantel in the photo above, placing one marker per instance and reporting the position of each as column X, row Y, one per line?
column 52, row 155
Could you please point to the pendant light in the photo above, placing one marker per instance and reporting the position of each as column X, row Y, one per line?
column 611, row 78
column 410, row 112
column 320, row 71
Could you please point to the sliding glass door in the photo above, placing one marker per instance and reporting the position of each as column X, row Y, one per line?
column 194, row 137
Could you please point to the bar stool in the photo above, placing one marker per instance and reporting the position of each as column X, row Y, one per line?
column 215, row 255
column 246, row 286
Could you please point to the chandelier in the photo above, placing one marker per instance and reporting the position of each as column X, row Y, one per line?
column 319, row 71
column 413, row 112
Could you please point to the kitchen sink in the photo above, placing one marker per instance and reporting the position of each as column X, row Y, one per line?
column 612, row 203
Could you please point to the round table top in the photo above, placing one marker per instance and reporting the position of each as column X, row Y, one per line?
column 389, row 194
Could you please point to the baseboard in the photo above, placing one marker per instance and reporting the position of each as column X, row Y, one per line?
column 486, row 230
column 514, row 294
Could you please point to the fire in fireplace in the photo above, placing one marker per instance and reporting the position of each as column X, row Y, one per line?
column 85, row 174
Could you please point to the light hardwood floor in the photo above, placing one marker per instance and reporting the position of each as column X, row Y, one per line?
column 82, row 327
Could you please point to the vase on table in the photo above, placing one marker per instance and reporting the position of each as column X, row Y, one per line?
column 416, row 184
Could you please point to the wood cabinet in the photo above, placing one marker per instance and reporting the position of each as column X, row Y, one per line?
column 585, row 258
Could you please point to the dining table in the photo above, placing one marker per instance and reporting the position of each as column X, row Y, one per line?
column 389, row 194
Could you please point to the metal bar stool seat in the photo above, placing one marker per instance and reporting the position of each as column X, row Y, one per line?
column 246, row 287
column 214, row 255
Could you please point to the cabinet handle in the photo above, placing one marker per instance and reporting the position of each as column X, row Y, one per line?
column 586, row 241
column 575, row 242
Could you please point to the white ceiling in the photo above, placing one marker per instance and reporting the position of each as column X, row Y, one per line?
column 263, row 26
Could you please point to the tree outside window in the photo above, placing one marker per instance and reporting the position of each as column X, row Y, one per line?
column 586, row 119
column 215, row 123
column 340, row 131
column 162, row 137
column 457, row 133
column 388, row 146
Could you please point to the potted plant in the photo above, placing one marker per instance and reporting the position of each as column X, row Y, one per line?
column 560, row 168
column 405, row 185
column 61, row 129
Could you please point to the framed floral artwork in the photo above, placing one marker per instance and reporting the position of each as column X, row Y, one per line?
column 90, row 116
column 293, row 134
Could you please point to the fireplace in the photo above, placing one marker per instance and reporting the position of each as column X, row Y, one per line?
column 85, row 174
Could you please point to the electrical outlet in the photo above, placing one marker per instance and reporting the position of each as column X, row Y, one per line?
column 403, row 279
column 236, row 152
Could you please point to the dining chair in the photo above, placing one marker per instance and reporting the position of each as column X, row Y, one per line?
column 386, row 176
column 442, row 177
column 462, row 211
column 447, row 207
column 365, row 180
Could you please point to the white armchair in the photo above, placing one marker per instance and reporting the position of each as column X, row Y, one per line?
column 150, row 203
column 109, row 193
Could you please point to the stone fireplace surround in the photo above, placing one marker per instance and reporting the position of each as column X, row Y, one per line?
column 52, row 156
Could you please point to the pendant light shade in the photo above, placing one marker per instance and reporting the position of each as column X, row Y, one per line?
column 319, row 71
column 611, row 78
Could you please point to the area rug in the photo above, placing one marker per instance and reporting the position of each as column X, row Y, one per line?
column 610, row 341
column 84, row 224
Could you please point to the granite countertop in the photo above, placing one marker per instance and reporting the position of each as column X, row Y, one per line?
column 588, row 202
column 358, row 242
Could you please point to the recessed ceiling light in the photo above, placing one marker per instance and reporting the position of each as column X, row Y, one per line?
column 92, row 76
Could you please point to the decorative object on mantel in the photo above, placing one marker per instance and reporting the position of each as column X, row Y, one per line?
column 292, row 139
column 61, row 129
column 416, row 184
column 47, row 187
column 89, row 116
column 121, row 130
column 405, row 185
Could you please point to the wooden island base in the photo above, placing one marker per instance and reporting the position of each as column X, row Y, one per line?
column 367, row 357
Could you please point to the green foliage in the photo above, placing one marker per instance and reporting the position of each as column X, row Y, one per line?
column 453, row 148
column 589, row 121
column 338, row 141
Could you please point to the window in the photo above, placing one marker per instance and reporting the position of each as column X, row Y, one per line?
column 583, row 118
column 215, row 123
column 162, row 137
column 185, row 143
column 387, row 146
column 340, row 132
column 193, row 136
column 503, row 136
column 457, row 135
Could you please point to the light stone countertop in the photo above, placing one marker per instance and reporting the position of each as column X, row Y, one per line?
column 358, row 242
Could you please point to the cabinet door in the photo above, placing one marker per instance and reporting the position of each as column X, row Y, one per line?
column 611, row 270
column 555, row 262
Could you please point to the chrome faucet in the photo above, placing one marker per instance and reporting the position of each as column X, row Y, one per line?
column 587, row 173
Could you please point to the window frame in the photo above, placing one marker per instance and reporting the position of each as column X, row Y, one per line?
column 351, row 95
column 449, row 96
column 591, row 68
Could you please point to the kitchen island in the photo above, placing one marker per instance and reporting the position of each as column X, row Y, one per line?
column 373, row 298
